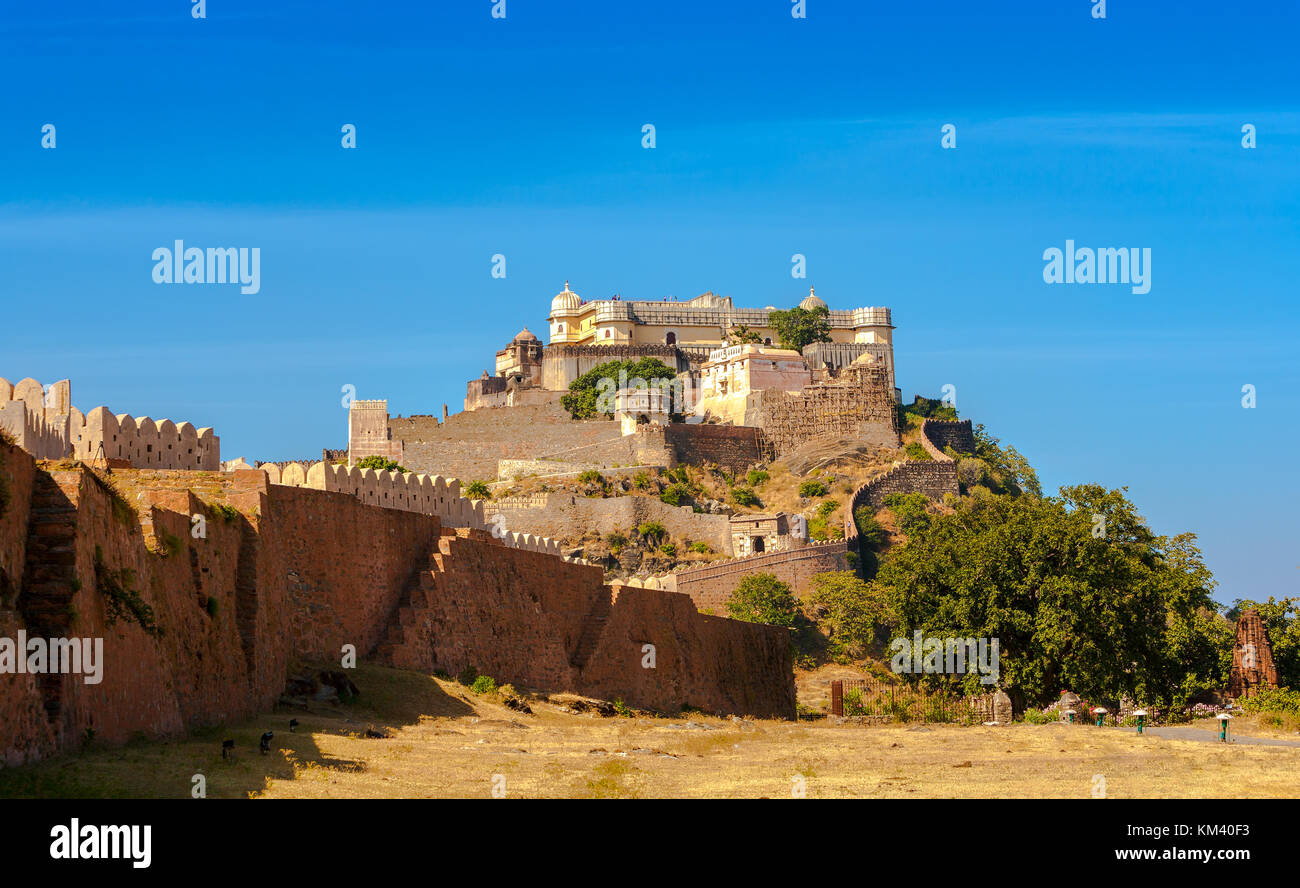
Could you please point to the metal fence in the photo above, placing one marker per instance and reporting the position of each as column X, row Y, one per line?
column 878, row 699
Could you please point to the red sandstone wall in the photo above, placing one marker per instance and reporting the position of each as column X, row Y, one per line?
column 25, row 732
column 710, row 663
column 345, row 565
column 299, row 572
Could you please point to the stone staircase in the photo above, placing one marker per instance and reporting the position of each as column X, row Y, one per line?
column 403, row 627
column 592, row 628
column 50, row 577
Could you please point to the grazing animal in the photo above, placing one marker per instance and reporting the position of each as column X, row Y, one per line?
column 266, row 742
column 227, row 746
column 293, row 723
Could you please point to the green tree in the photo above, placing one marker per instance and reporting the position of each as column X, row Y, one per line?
column 1101, row 615
column 742, row 335
column 762, row 598
column 584, row 398
column 850, row 611
column 478, row 490
column 798, row 327
column 812, row 488
column 652, row 532
column 379, row 464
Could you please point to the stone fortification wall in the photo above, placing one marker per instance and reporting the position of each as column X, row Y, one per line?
column 710, row 585
column 565, row 516
column 286, row 573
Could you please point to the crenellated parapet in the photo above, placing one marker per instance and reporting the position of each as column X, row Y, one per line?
column 409, row 492
column 46, row 425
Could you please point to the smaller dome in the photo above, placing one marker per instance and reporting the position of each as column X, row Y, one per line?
column 812, row 300
column 565, row 299
column 525, row 335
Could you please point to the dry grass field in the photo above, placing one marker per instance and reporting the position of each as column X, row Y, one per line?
column 440, row 740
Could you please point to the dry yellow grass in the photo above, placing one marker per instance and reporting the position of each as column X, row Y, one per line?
column 445, row 742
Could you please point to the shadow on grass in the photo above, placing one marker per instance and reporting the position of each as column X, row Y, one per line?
column 167, row 768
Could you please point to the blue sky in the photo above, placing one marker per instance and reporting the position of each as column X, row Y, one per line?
column 775, row 136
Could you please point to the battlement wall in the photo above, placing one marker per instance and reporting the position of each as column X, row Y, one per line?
column 288, row 574
column 711, row 585
column 566, row 516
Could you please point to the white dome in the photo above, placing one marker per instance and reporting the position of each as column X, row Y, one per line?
column 812, row 300
column 565, row 299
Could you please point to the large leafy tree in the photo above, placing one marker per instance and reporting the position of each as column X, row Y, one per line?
column 1077, row 589
column 762, row 598
column 798, row 327
column 583, row 398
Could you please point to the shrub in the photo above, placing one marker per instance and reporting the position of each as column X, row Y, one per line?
column 1284, row 700
column 213, row 606
column 379, row 464
column 478, row 490
column 699, row 546
column 756, row 477
column 762, row 598
column 121, row 601
column 1039, row 717
column 812, row 488
column 743, row 496
column 225, row 512
column 674, row 493
column 642, row 481
column 591, row 476
column 870, row 533
column 669, row 549
column 915, row 450
column 910, row 509
column 484, row 684
column 850, row 610
column 652, row 532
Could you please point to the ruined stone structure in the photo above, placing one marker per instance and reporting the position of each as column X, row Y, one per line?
column 278, row 578
column 859, row 403
column 1252, row 657
column 49, row 427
